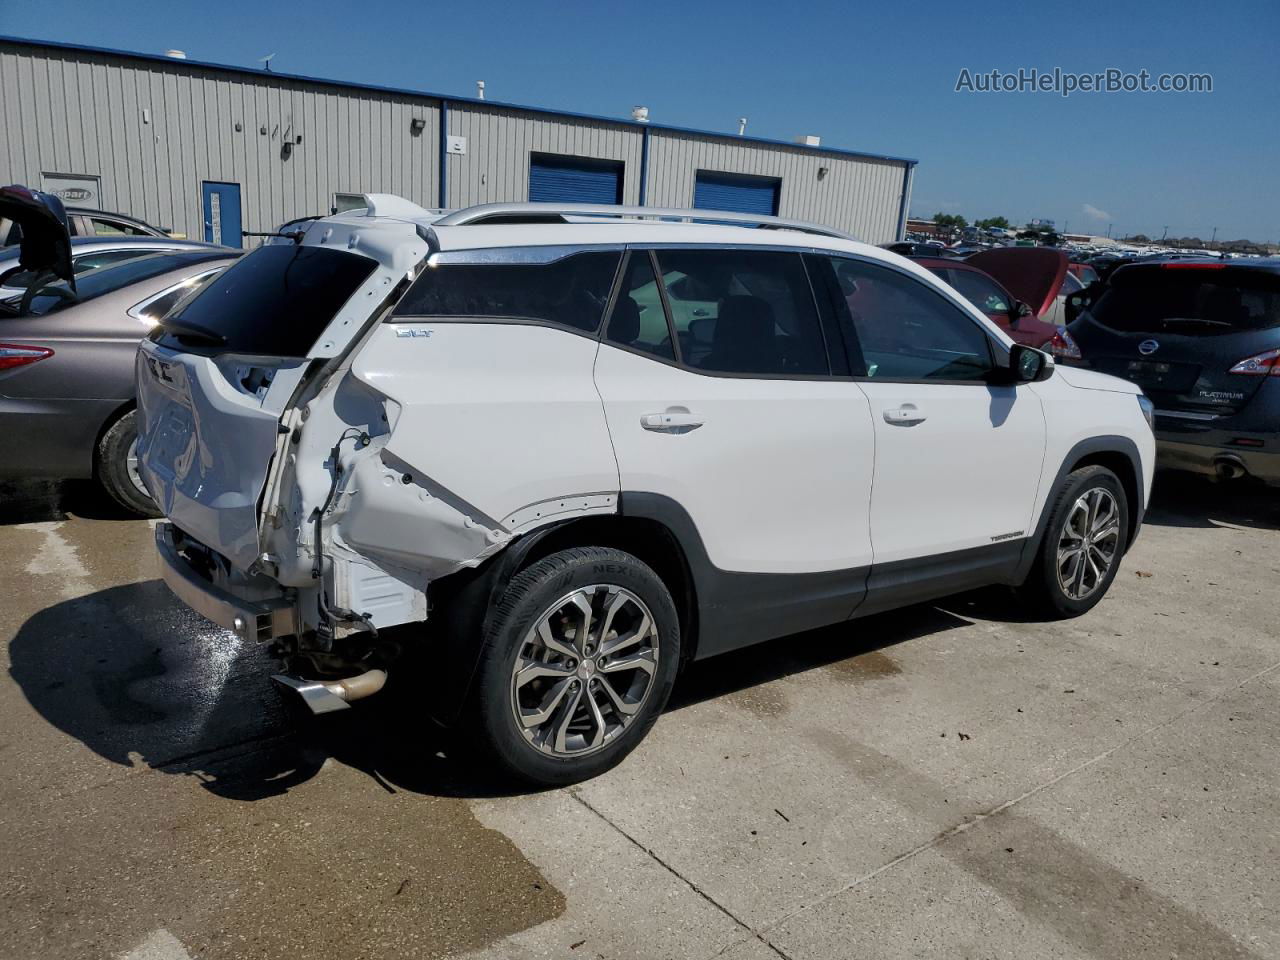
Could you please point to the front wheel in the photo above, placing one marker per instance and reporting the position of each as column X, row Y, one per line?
column 117, row 467
column 580, row 656
column 1083, row 542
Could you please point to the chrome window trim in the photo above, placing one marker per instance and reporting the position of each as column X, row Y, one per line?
column 140, row 307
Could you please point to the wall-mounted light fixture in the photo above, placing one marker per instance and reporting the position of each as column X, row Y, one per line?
column 822, row 172
column 417, row 125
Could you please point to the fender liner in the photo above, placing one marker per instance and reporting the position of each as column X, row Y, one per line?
column 1110, row 444
column 464, row 601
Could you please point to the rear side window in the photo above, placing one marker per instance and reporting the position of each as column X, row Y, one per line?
column 905, row 331
column 572, row 291
column 277, row 300
column 744, row 312
column 1190, row 300
column 82, row 264
column 638, row 321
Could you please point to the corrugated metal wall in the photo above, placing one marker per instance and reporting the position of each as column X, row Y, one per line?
column 859, row 196
column 154, row 130
column 499, row 141
column 72, row 113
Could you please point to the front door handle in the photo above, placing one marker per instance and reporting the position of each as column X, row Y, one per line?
column 670, row 422
column 907, row 415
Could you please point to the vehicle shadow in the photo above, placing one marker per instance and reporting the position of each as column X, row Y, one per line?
column 1186, row 500
column 34, row 501
column 134, row 676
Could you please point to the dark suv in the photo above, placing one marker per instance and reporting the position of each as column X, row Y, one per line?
column 1202, row 339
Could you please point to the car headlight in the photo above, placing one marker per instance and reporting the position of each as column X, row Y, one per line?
column 1148, row 410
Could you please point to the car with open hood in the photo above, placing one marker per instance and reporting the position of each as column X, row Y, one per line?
column 67, row 346
column 1020, row 288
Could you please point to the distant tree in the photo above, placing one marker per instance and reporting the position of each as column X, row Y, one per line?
column 950, row 221
column 990, row 222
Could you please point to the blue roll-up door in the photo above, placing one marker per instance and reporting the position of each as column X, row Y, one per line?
column 558, row 179
column 737, row 192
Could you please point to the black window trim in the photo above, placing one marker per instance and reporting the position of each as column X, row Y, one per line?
column 994, row 347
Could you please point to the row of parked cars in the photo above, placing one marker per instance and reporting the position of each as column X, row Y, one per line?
column 535, row 459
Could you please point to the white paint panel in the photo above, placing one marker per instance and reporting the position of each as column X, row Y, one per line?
column 501, row 415
column 778, row 476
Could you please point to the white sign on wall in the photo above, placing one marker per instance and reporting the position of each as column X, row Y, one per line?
column 73, row 189
column 456, row 145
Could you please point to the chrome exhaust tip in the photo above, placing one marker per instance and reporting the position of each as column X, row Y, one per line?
column 328, row 696
column 1229, row 468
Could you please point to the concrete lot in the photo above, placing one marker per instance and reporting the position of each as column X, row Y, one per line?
column 945, row 781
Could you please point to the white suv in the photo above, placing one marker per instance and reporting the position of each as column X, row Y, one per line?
column 535, row 458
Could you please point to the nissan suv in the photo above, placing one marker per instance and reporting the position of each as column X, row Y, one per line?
column 534, row 458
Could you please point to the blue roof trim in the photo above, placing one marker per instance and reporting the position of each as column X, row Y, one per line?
column 471, row 101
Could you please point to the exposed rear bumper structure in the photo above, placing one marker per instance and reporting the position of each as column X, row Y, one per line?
column 250, row 619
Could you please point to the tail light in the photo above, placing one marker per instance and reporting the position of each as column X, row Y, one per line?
column 1063, row 346
column 16, row 355
column 1259, row 365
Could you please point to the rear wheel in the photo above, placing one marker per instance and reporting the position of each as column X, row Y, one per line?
column 1082, row 546
column 117, row 467
column 579, row 659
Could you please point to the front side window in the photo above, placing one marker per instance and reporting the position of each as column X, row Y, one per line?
column 979, row 291
column 744, row 312
column 904, row 330
column 572, row 291
column 115, row 228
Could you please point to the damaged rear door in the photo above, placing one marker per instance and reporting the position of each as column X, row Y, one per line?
column 215, row 376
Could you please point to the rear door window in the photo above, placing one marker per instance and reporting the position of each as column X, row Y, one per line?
column 1190, row 300
column 276, row 301
column 572, row 291
column 743, row 312
column 638, row 321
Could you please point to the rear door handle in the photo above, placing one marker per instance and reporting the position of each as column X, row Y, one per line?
column 670, row 422
column 907, row 415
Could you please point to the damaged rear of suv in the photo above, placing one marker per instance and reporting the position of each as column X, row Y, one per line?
column 535, row 458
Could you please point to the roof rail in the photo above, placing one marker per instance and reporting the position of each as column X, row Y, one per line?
column 533, row 212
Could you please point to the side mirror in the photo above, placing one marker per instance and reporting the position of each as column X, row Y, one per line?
column 1029, row 365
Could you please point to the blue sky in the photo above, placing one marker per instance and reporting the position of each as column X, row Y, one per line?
column 878, row 77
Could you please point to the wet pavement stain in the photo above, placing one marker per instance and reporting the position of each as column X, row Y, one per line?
column 867, row 666
column 766, row 700
column 158, row 784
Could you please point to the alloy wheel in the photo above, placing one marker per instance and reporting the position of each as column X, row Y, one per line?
column 584, row 670
column 1089, row 544
column 131, row 468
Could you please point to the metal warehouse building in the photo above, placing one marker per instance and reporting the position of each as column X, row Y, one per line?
column 209, row 150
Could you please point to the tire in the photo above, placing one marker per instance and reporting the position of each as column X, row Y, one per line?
column 112, row 467
column 536, row 626
column 1058, row 588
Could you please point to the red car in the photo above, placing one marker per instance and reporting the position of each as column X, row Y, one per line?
column 1017, row 288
